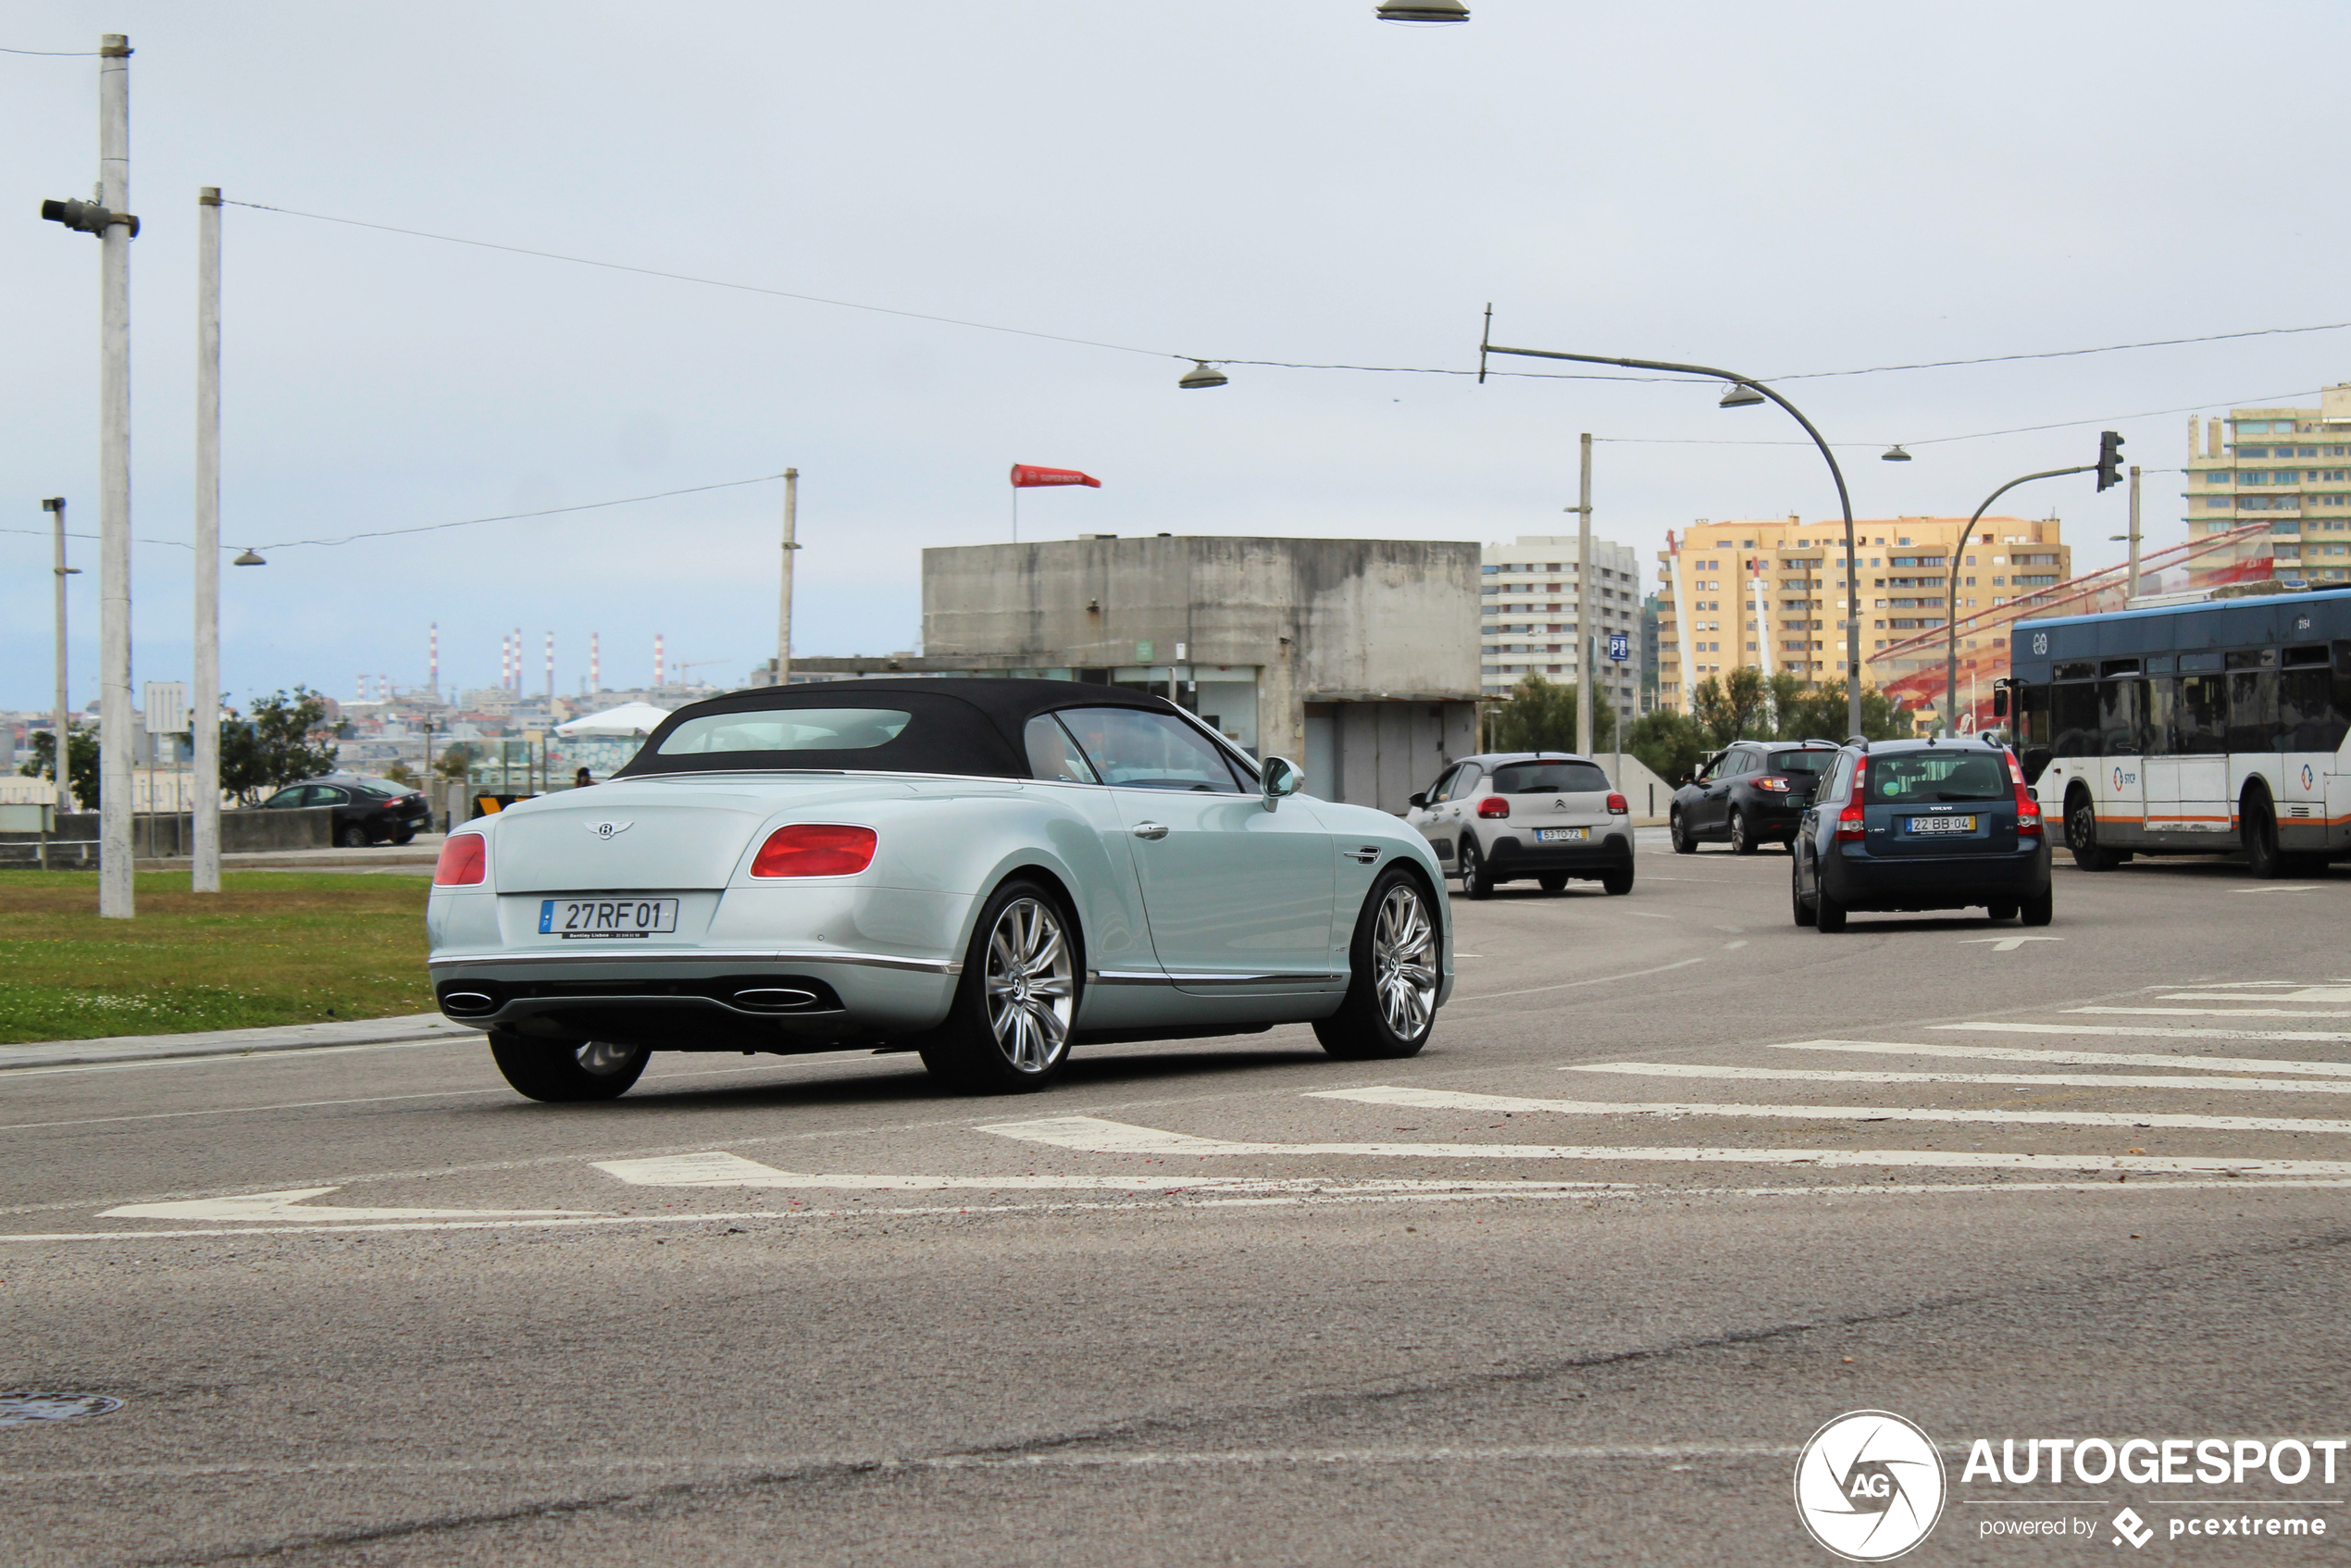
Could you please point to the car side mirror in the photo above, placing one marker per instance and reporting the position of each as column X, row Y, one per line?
column 2000, row 701
column 1418, row 800
column 1278, row 777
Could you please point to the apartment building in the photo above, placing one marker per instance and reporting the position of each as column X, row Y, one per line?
column 1526, row 616
column 2273, row 464
column 1770, row 592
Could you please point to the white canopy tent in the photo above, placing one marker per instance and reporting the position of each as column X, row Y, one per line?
column 630, row 719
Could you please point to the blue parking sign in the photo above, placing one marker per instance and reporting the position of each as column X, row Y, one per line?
column 1620, row 646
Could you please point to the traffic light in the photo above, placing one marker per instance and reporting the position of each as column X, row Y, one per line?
column 2109, row 459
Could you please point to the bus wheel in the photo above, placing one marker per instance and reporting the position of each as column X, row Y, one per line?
column 2259, row 823
column 2081, row 834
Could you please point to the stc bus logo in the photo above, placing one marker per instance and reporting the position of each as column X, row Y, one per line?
column 2118, row 778
column 1869, row 1486
column 2040, row 642
column 2309, row 780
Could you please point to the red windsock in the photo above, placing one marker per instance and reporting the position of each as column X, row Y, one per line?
column 1028, row 476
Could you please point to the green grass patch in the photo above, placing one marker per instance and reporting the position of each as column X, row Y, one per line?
column 269, row 948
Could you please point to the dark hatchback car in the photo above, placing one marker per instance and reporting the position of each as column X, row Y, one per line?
column 1749, row 794
column 367, row 810
column 1914, row 825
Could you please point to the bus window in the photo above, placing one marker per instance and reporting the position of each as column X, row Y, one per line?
column 2253, row 709
column 2032, row 710
column 2311, row 707
column 2073, row 713
column 2199, row 718
column 2163, row 695
column 2121, row 704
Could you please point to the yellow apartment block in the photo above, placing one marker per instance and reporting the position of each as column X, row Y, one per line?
column 2290, row 467
column 1770, row 592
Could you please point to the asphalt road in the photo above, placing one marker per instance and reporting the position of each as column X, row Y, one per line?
column 1675, row 1184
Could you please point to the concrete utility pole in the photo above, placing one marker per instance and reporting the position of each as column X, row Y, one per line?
column 791, row 526
column 56, row 508
column 204, row 714
column 2133, row 590
column 114, row 479
column 1585, row 694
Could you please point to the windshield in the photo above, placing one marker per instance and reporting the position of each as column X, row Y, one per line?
column 1911, row 777
column 1802, row 762
column 800, row 729
column 1548, row 778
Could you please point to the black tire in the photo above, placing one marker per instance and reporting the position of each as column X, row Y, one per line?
column 2081, row 834
column 1393, row 974
column 1804, row 913
column 1618, row 879
column 1742, row 841
column 2038, row 909
column 1476, row 881
column 559, row 1072
column 2259, row 820
column 350, row 835
column 1827, row 914
column 1552, row 881
column 1683, row 842
column 406, row 836
column 1007, row 1031
column 2001, row 912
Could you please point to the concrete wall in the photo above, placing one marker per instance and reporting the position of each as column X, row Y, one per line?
column 1379, row 754
column 306, row 828
column 1322, row 619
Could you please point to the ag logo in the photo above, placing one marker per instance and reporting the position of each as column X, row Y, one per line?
column 609, row 830
column 1869, row 1486
column 2040, row 642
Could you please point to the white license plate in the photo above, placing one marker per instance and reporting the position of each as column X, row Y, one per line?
column 1942, row 824
column 1561, row 835
column 592, row 918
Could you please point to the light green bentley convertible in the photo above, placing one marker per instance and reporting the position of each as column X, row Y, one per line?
column 990, row 871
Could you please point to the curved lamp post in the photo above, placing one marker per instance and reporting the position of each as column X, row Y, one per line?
column 1951, row 615
column 1744, row 391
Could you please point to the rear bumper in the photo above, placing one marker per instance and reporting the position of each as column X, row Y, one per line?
column 1861, row 881
column 1511, row 854
column 1774, row 821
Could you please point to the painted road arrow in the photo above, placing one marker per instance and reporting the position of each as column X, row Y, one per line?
column 2010, row 944
column 291, row 1205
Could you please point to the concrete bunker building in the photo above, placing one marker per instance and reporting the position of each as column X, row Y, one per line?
column 1356, row 657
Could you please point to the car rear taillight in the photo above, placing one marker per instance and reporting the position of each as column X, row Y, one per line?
column 1493, row 806
column 464, row 858
column 1616, row 806
column 2028, row 810
column 814, row 849
column 1777, row 785
column 1852, row 825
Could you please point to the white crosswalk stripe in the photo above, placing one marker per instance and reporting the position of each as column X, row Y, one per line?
column 2297, row 1036
column 2078, row 1058
column 2066, row 1080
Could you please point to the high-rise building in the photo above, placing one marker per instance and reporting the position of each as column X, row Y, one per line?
column 2273, row 464
column 1770, row 592
column 1526, row 616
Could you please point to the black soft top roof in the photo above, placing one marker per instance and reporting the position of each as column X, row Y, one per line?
column 970, row 725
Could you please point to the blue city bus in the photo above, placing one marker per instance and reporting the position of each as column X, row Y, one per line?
column 2193, row 728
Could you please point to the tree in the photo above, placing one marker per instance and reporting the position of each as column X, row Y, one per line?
column 1668, row 744
column 458, row 761
column 401, row 773
column 1821, row 715
column 1540, row 716
column 275, row 745
column 1726, row 706
column 83, row 772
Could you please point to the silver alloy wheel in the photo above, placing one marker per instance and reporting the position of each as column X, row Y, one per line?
column 604, row 1057
column 1029, row 985
column 1404, row 962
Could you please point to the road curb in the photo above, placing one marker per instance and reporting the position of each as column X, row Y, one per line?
column 421, row 1026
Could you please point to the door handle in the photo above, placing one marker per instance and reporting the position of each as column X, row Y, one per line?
column 1151, row 830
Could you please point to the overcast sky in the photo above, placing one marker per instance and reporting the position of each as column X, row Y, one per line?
column 1777, row 190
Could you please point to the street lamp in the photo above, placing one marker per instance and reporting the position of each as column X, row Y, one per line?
column 1428, row 12
column 1744, row 391
column 250, row 558
column 1201, row 374
column 1894, row 455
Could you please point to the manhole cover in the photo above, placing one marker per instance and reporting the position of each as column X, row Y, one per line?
column 22, row 1408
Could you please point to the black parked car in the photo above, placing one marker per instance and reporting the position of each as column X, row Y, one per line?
column 367, row 811
column 1749, row 794
column 1923, row 825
